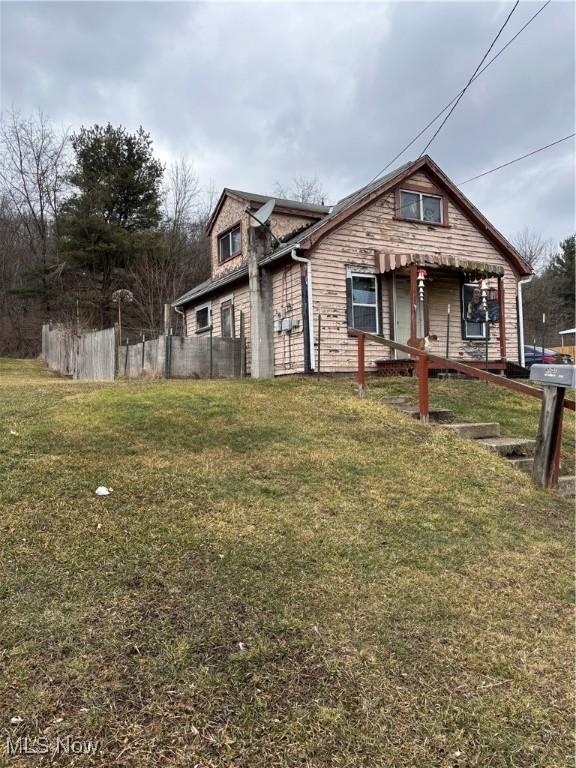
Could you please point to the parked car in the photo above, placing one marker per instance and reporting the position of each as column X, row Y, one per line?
column 533, row 354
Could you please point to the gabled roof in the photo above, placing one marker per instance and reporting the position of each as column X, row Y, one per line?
column 349, row 206
column 352, row 204
column 310, row 210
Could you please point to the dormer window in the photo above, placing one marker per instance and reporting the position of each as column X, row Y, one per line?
column 419, row 206
column 229, row 244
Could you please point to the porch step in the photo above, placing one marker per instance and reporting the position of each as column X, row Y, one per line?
column 509, row 446
column 394, row 399
column 439, row 415
column 475, row 431
column 522, row 463
column 567, row 486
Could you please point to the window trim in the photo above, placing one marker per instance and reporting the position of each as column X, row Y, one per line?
column 486, row 326
column 374, row 275
column 207, row 305
column 228, row 303
column 227, row 233
column 422, row 191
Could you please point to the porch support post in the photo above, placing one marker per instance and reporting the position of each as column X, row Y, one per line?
column 413, row 302
column 502, row 316
column 422, row 365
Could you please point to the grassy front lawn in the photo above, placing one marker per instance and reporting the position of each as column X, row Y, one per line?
column 283, row 576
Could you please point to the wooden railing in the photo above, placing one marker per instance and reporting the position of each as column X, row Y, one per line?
column 423, row 359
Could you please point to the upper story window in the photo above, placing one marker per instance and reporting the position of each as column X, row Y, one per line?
column 420, row 207
column 229, row 244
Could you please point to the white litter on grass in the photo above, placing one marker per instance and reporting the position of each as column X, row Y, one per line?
column 16, row 720
column 13, row 433
column 99, row 526
column 241, row 646
column 103, row 491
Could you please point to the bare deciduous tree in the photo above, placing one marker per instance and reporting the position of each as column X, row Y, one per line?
column 302, row 188
column 535, row 249
column 32, row 175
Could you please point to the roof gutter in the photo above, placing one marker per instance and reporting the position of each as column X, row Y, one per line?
column 308, row 263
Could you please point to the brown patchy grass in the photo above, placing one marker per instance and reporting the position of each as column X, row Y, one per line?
column 402, row 597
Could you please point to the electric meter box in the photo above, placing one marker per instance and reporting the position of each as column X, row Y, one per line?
column 554, row 375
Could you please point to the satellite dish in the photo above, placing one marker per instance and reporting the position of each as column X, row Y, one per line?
column 263, row 214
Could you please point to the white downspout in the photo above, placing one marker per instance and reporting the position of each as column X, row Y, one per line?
column 308, row 263
column 521, row 318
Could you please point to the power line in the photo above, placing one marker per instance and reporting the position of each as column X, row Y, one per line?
column 492, row 60
column 469, row 83
column 517, row 159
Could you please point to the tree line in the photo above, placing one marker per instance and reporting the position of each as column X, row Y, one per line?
column 549, row 298
column 92, row 218
column 86, row 215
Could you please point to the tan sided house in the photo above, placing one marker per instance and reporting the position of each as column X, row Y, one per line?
column 393, row 258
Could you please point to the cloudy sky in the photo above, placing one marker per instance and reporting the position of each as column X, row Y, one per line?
column 255, row 93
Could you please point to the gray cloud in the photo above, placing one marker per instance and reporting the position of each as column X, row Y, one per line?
column 255, row 92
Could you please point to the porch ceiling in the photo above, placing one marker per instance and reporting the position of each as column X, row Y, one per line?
column 387, row 262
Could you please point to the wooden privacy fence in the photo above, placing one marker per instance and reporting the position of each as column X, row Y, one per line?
column 96, row 355
column 89, row 356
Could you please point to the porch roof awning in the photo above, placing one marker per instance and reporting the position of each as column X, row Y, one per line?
column 387, row 262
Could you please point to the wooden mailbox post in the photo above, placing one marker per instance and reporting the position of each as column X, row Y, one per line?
column 554, row 380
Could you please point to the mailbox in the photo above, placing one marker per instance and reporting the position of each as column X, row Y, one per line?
column 554, row 375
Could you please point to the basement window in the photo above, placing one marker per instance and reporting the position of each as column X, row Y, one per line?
column 230, row 244
column 363, row 302
column 420, row 207
column 203, row 318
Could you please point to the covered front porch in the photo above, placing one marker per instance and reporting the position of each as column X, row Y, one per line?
column 454, row 308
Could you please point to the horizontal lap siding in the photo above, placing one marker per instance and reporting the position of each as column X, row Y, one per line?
column 375, row 231
column 287, row 302
column 241, row 300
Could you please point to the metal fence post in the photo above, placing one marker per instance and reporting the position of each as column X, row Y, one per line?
column 361, row 365
column 242, row 346
column 319, row 344
column 168, row 355
column 126, row 356
column 210, row 373
column 142, row 361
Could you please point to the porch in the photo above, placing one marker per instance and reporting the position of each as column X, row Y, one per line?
column 453, row 308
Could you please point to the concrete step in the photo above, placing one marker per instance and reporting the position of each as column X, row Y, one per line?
column 567, row 485
column 394, row 399
column 475, row 431
column 524, row 464
column 509, row 446
column 440, row 415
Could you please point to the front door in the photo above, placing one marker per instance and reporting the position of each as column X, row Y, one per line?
column 402, row 313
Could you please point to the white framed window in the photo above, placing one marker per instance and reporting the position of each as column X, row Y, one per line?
column 230, row 243
column 363, row 301
column 473, row 315
column 421, row 207
column 203, row 318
